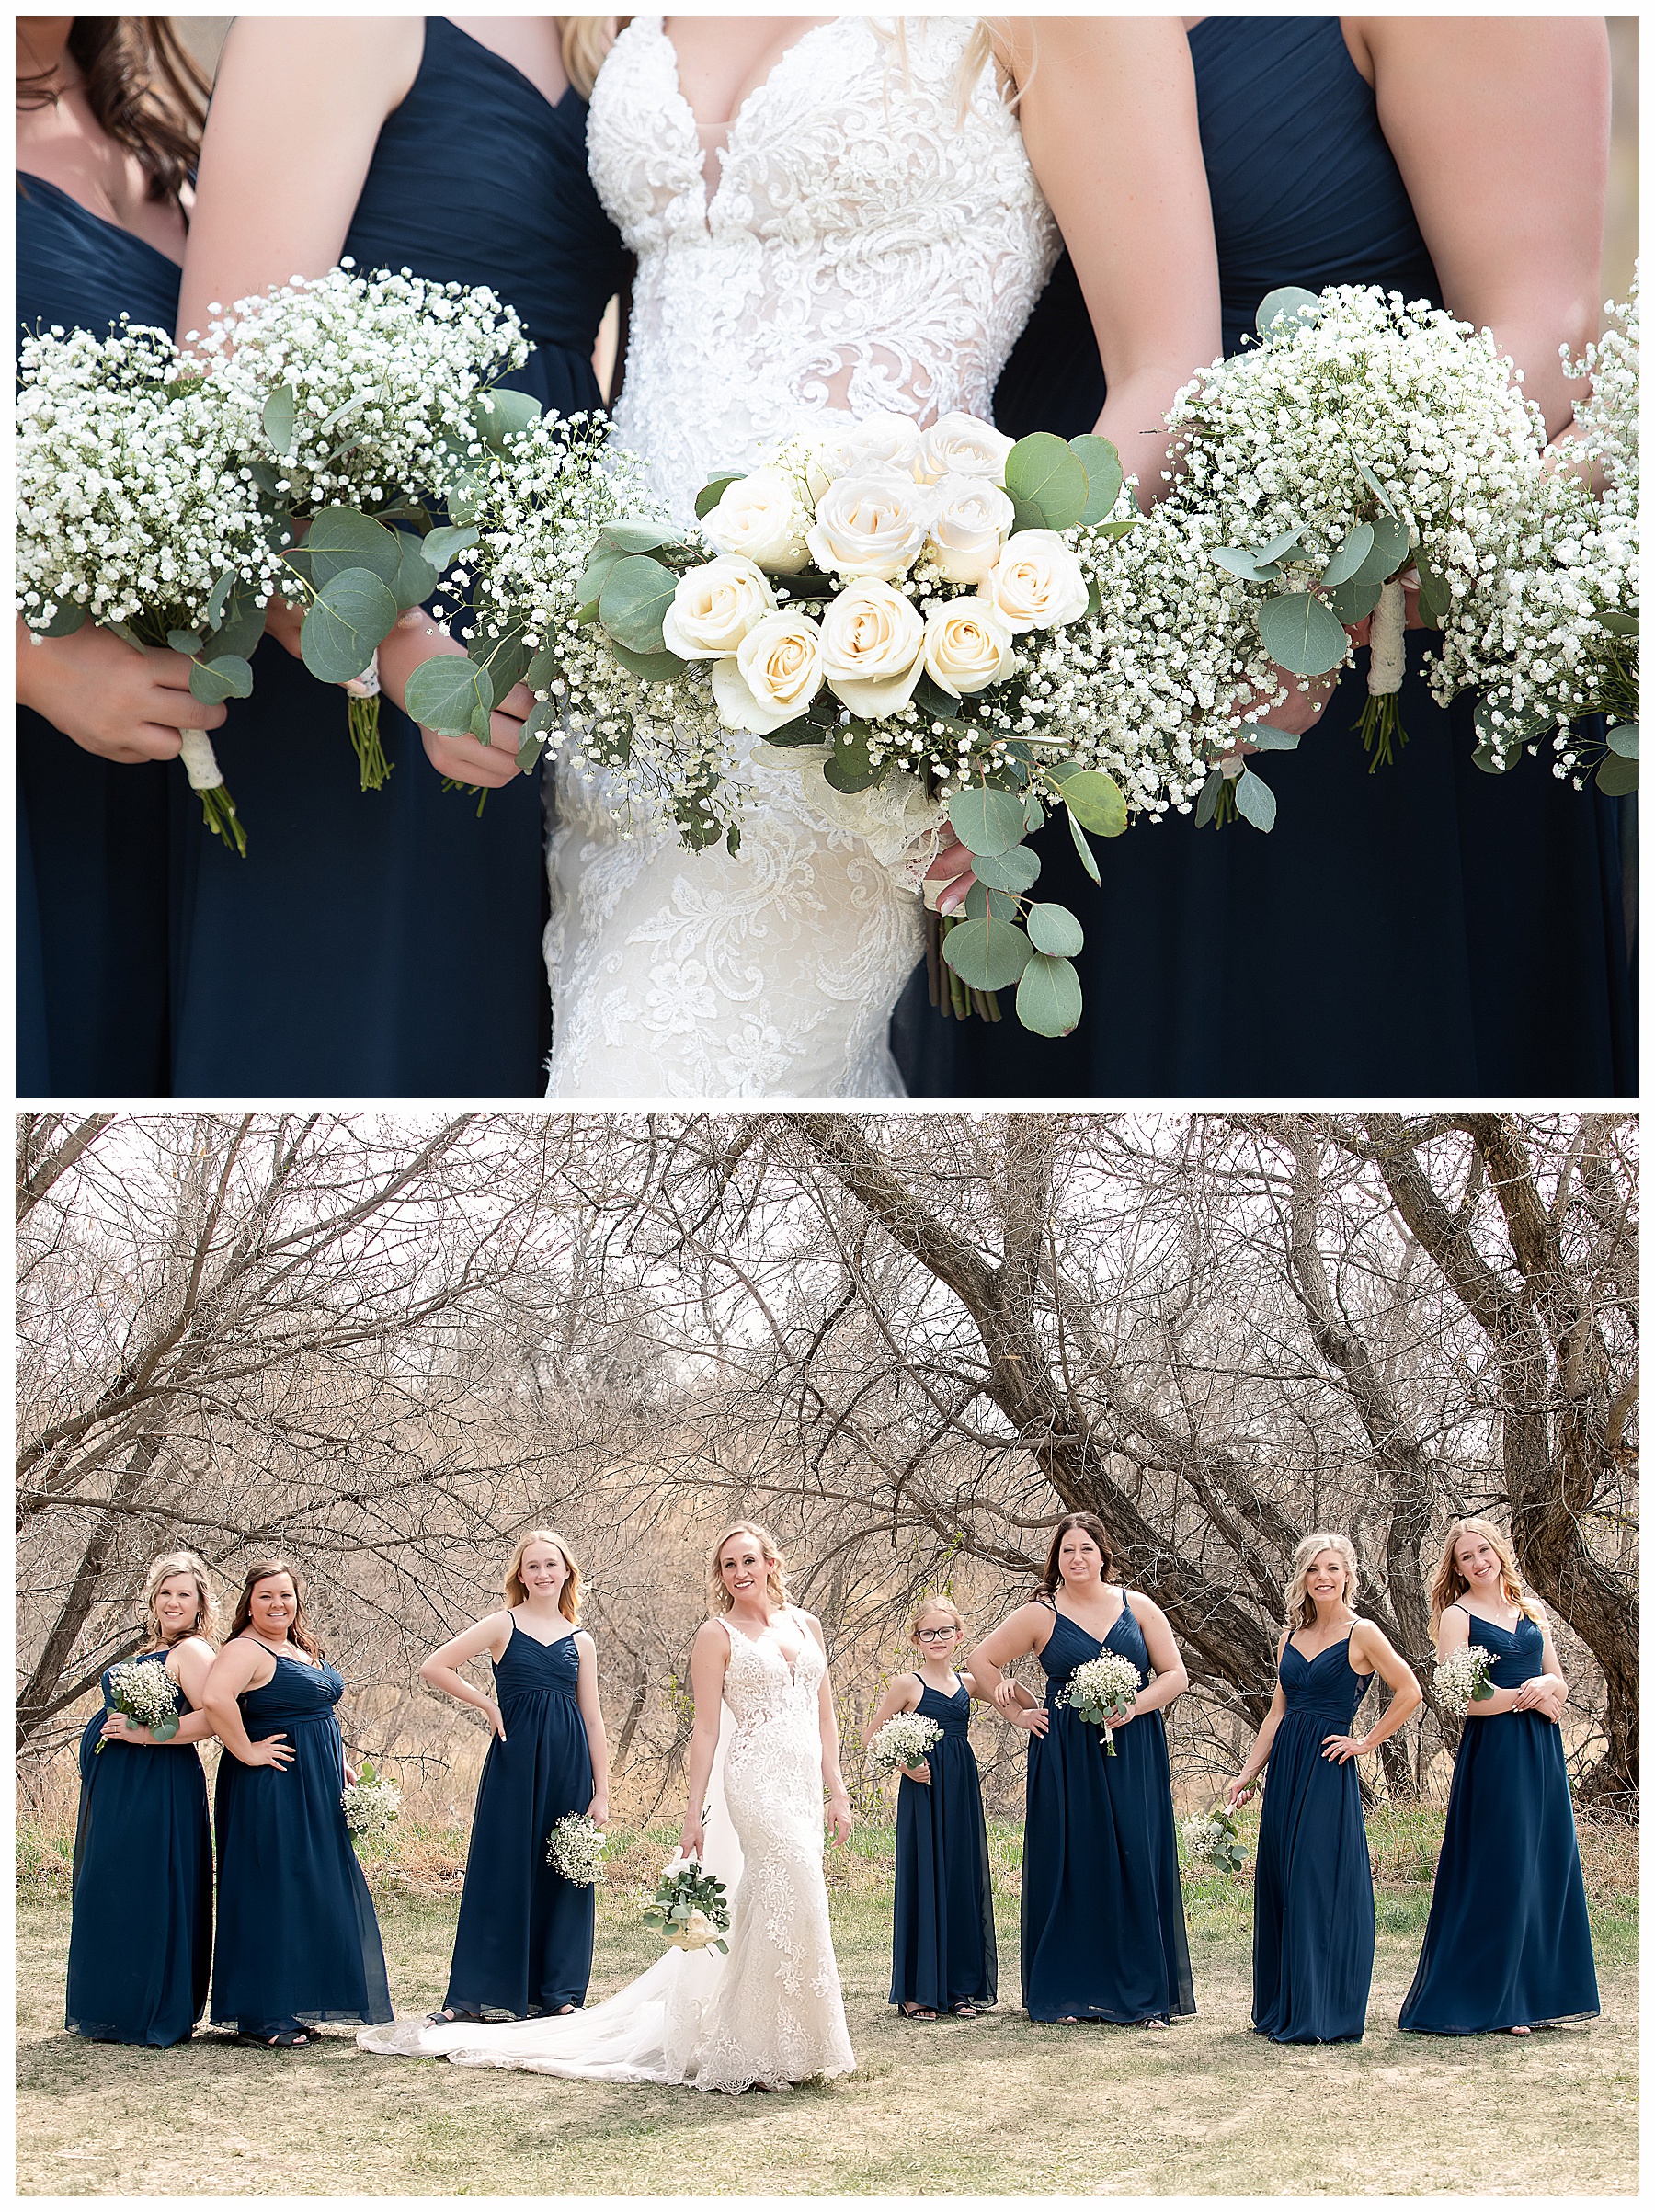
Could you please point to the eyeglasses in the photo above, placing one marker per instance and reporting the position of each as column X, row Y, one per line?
column 930, row 1636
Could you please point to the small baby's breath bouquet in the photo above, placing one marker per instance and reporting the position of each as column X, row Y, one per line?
column 1462, row 1678
column 905, row 1739
column 1215, row 1836
column 688, row 1907
column 1101, row 1691
column 146, row 1695
column 369, row 1803
column 575, row 1849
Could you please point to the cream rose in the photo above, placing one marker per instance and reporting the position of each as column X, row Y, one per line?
column 873, row 643
column 1036, row 583
column 773, row 677
column 967, row 646
column 715, row 607
column 973, row 521
column 760, row 515
column 851, row 448
column 871, row 525
column 959, row 445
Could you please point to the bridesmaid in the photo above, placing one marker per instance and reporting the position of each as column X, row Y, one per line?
column 141, row 1936
column 524, row 1942
column 297, row 1940
column 1313, row 1887
column 1460, row 160
column 1507, row 1942
column 943, row 1956
column 109, row 118
column 1103, row 1913
column 386, row 941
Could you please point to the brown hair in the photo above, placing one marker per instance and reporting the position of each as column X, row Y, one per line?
column 516, row 1590
column 1448, row 1585
column 301, row 1631
column 161, row 1570
column 144, row 89
column 1300, row 1604
column 1095, row 1529
column 775, row 1581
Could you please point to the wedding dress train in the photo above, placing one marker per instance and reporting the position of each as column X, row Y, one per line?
column 770, row 2011
column 871, row 246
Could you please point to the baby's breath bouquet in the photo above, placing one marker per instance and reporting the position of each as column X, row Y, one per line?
column 1215, row 1836
column 575, row 1849
column 146, row 1695
column 1549, row 634
column 369, row 1803
column 688, row 1907
column 1364, row 436
column 1101, row 1691
column 905, row 1739
column 1462, row 1678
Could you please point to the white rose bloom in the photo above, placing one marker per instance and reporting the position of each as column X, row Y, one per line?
column 773, row 677
column 871, row 525
column 715, row 607
column 967, row 646
column 1036, row 584
column 959, row 445
column 760, row 515
column 873, row 644
column 851, row 448
column 973, row 521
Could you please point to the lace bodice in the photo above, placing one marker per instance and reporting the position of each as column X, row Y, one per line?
column 867, row 247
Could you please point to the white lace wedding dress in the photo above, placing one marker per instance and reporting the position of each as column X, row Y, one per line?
column 868, row 248
column 772, row 2010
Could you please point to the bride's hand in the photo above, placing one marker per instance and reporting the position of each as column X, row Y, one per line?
column 949, row 877
column 416, row 639
column 840, row 1822
column 692, row 1842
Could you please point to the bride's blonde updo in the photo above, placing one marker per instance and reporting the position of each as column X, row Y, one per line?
column 775, row 1581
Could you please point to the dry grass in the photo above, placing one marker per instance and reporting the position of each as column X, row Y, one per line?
column 987, row 2107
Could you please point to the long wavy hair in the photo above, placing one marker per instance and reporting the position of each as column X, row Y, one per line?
column 144, row 89
column 775, row 1579
column 1448, row 1585
column 1052, row 1574
column 517, row 1589
column 1300, row 1604
column 301, row 1631
column 162, row 1569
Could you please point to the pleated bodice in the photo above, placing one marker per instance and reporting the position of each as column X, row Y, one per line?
column 952, row 1713
column 528, row 1668
column 1324, row 1688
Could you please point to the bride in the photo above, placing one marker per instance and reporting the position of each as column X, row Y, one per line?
column 835, row 217
column 766, row 1739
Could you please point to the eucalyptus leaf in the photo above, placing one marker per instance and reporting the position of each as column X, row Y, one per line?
column 349, row 616
column 1094, row 598
column 501, row 416
column 1044, row 472
column 1027, row 515
column 268, row 478
column 713, row 490
column 415, row 579
column 1491, row 761
column 1301, row 632
column 1388, row 553
column 987, row 821
column 1096, row 801
column 656, row 667
column 1377, row 489
column 1352, row 602
column 184, row 641
column 1119, row 528
column 1206, row 806
column 506, row 657
column 227, row 677
column 68, row 619
column 980, row 903
column 439, row 546
column 1284, row 305
column 1436, row 601
column 848, row 768
column 987, row 955
column 1048, row 997
column 1275, row 549
column 217, row 596
column 1349, row 554
column 446, row 692
column 242, row 626
column 464, row 493
column 541, row 671
column 126, row 634
column 353, row 405
column 281, row 408
column 339, row 538
column 1054, row 930
column 1034, row 814
column 1617, row 622
column 1089, row 860
column 533, row 740
column 1255, row 800
column 1268, row 739
column 800, row 731
column 1013, row 870
column 1242, row 561
column 1103, row 475
column 1616, row 779
column 1623, row 739
column 932, row 699
column 634, row 602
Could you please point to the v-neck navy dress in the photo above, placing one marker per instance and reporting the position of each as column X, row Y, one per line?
column 388, row 943
column 524, row 1942
column 1507, row 1942
column 1313, row 1887
column 1425, row 928
column 1102, row 1909
column 92, row 833
column 943, row 1952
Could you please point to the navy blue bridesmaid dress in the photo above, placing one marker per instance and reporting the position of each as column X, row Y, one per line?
column 943, row 1952
column 297, row 1940
column 1313, row 1887
column 140, row 1934
column 524, row 1942
column 92, row 833
column 1425, row 928
column 388, row 943
column 1102, row 1910
column 1507, row 1942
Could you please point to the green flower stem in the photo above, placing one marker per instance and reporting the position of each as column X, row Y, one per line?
column 363, row 716
column 218, row 811
column 1381, row 729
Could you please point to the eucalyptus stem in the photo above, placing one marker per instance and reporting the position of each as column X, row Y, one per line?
column 218, row 811
column 1381, row 729
column 363, row 718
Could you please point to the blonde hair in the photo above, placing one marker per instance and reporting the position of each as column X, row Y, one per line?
column 1448, row 1585
column 516, row 1590
column 1300, row 1604
column 586, row 42
column 935, row 1604
column 162, row 1569
column 775, row 1581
